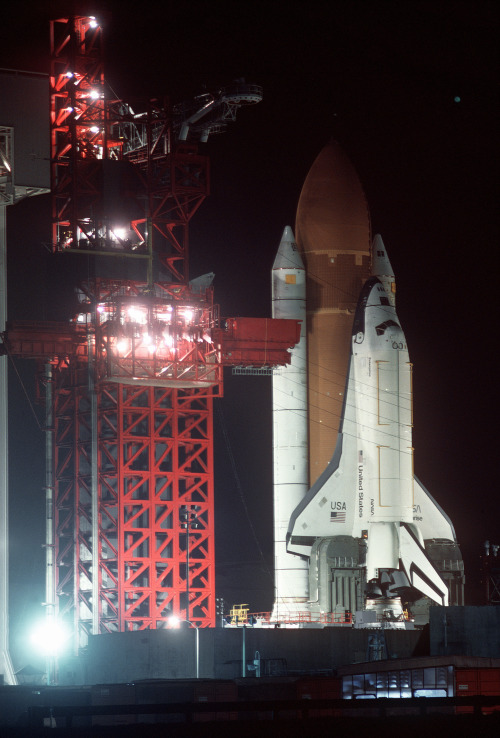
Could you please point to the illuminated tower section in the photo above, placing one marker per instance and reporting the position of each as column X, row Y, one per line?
column 131, row 436
column 133, row 457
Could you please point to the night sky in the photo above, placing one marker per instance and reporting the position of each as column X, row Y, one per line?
column 410, row 90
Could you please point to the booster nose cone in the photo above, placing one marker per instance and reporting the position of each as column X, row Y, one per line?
column 288, row 255
column 288, row 278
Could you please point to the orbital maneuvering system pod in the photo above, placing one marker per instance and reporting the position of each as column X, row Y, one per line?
column 378, row 547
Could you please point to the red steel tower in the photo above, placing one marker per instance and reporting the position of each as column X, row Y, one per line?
column 131, row 382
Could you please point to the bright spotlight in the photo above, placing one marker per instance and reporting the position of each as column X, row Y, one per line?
column 168, row 339
column 122, row 346
column 50, row 638
column 137, row 314
column 119, row 232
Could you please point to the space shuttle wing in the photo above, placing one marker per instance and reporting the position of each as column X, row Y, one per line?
column 327, row 510
column 429, row 517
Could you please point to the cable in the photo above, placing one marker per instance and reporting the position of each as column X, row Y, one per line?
column 40, row 427
column 352, row 435
column 385, row 399
column 240, row 489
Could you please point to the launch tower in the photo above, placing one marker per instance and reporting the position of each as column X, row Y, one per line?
column 130, row 381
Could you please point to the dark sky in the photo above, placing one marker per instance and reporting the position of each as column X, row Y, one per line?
column 410, row 91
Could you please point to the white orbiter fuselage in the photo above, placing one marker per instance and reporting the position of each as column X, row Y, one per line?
column 368, row 490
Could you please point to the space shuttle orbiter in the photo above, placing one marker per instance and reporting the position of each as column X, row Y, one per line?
column 364, row 524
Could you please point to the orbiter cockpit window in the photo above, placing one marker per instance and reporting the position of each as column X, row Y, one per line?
column 382, row 327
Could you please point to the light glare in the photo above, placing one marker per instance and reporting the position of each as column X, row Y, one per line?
column 118, row 232
column 50, row 638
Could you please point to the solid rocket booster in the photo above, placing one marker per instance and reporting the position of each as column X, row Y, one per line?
column 333, row 235
column 290, row 457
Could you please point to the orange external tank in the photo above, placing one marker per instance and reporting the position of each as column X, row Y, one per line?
column 333, row 234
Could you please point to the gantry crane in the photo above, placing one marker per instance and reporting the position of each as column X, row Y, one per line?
column 130, row 381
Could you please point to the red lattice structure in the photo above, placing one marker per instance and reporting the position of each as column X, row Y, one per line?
column 130, row 380
column 132, row 406
column 132, row 456
column 133, row 450
column 154, row 457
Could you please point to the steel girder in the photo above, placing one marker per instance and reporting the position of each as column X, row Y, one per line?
column 154, row 462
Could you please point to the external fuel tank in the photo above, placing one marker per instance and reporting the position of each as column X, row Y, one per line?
column 333, row 235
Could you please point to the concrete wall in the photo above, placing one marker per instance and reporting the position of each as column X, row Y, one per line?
column 469, row 631
column 170, row 654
